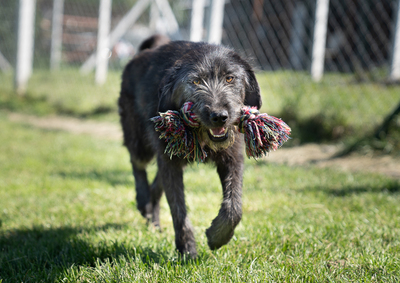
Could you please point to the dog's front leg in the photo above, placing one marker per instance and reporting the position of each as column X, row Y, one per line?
column 171, row 178
column 230, row 170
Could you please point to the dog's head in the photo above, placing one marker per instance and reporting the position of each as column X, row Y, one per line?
column 219, row 83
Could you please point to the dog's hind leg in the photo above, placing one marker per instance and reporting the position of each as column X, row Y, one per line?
column 142, row 191
column 230, row 170
column 140, row 151
column 140, row 156
column 155, row 196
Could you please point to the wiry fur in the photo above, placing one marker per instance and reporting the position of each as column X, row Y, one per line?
column 164, row 78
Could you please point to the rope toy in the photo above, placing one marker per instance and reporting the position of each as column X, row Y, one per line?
column 180, row 130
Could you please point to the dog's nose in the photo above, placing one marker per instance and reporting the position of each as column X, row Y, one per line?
column 219, row 119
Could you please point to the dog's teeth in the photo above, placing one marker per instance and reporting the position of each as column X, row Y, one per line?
column 218, row 133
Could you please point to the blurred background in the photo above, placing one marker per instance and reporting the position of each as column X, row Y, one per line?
column 330, row 69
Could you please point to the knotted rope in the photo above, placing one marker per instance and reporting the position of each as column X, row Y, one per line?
column 180, row 130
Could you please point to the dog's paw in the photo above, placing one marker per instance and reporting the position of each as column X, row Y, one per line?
column 146, row 210
column 188, row 255
column 188, row 250
column 218, row 237
column 185, row 241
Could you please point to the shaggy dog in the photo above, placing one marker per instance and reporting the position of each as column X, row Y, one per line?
column 219, row 83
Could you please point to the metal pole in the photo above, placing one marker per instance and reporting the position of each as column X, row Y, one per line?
column 319, row 41
column 26, row 31
column 196, row 25
column 395, row 64
column 56, row 34
column 122, row 27
column 216, row 21
column 103, row 51
column 154, row 17
column 169, row 18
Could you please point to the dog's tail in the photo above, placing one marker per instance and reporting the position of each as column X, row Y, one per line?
column 154, row 42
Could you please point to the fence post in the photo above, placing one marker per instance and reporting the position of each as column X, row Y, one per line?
column 196, row 24
column 319, row 40
column 154, row 17
column 103, row 51
column 395, row 64
column 216, row 21
column 169, row 18
column 25, row 43
column 56, row 34
column 126, row 22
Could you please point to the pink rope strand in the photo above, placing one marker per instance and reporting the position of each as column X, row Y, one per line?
column 180, row 130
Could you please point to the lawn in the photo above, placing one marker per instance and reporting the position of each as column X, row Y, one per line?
column 67, row 214
column 339, row 103
column 67, row 201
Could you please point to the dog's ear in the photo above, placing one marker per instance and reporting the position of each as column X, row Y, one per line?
column 253, row 94
column 166, row 90
column 252, row 89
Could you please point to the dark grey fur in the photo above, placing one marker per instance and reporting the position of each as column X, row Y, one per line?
column 163, row 78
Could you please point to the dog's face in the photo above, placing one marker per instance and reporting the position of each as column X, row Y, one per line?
column 219, row 83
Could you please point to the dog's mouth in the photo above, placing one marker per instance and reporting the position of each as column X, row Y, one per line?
column 218, row 134
column 218, row 138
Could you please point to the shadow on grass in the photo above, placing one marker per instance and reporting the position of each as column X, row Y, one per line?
column 43, row 254
column 391, row 187
column 113, row 177
column 40, row 105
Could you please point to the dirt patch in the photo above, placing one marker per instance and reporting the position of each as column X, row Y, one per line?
column 73, row 125
column 324, row 156
column 309, row 154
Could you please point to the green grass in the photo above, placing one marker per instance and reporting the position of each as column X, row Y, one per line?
column 340, row 95
column 336, row 107
column 67, row 214
column 67, row 202
column 65, row 92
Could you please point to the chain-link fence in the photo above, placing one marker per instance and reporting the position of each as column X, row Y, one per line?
column 279, row 34
column 276, row 35
column 79, row 30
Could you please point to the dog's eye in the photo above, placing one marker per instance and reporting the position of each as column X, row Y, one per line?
column 229, row 79
column 196, row 81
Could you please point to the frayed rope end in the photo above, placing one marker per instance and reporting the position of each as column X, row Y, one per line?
column 180, row 130
column 180, row 134
column 262, row 132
